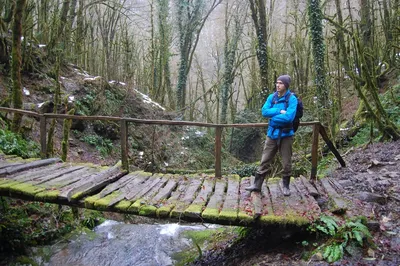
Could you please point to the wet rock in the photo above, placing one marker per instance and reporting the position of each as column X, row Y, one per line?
column 345, row 183
column 384, row 183
column 317, row 257
column 373, row 226
column 371, row 197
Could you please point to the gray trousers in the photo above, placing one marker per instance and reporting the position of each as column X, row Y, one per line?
column 271, row 147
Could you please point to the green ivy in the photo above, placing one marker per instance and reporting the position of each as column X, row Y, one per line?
column 13, row 144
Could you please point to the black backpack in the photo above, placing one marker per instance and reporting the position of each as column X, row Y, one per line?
column 299, row 111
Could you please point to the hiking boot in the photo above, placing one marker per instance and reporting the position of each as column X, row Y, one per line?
column 256, row 187
column 285, row 183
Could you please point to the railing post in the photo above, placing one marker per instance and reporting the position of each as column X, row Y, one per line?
column 43, row 143
column 314, row 151
column 124, row 144
column 218, row 144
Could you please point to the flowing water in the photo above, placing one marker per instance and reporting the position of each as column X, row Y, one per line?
column 116, row 243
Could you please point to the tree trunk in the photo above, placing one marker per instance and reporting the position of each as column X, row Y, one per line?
column 258, row 15
column 318, row 50
column 16, row 63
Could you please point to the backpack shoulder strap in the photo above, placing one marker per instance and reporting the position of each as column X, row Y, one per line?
column 287, row 97
column 274, row 99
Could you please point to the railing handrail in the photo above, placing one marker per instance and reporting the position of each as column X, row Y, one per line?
column 317, row 129
column 141, row 121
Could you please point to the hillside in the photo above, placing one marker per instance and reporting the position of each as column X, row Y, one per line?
column 90, row 141
column 372, row 180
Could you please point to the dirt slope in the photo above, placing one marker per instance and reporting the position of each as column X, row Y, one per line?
column 371, row 180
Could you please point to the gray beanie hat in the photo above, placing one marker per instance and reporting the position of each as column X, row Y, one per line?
column 285, row 80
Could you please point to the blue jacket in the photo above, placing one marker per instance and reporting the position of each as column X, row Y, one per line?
column 278, row 120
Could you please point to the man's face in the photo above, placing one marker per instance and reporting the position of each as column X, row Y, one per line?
column 280, row 87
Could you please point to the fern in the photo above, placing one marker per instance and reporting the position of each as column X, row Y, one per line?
column 340, row 236
column 327, row 225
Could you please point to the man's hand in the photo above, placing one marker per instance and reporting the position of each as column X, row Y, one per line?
column 283, row 112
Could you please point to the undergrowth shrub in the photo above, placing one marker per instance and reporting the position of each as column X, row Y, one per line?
column 14, row 144
column 391, row 103
column 246, row 144
column 103, row 145
column 340, row 236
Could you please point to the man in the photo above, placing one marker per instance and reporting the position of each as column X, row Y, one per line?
column 279, row 134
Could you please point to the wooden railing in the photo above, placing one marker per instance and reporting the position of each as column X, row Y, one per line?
column 124, row 121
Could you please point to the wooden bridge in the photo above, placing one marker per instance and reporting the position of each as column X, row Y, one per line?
column 198, row 197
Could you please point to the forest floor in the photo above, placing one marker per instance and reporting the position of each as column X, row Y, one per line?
column 372, row 180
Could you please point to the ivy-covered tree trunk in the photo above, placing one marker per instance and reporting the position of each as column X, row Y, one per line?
column 258, row 14
column 191, row 17
column 365, row 76
column 57, row 96
column 59, row 33
column 164, row 32
column 7, row 10
column 318, row 51
column 17, row 62
column 230, row 49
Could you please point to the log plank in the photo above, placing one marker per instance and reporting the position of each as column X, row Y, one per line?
column 229, row 212
column 166, row 191
column 92, row 183
column 216, row 201
column 123, row 193
column 267, row 212
column 37, row 172
column 296, row 204
column 144, row 204
column 54, row 175
column 279, row 205
column 310, row 188
column 165, row 207
column 27, row 166
column 70, row 178
column 337, row 203
column 186, row 198
column 197, row 206
column 245, row 213
column 120, row 183
column 313, row 209
column 133, row 188
column 5, row 164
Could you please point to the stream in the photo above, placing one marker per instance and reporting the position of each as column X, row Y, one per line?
column 117, row 243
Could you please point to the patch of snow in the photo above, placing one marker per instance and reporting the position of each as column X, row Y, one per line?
column 147, row 99
column 92, row 79
column 117, row 82
column 199, row 133
column 26, row 91
column 85, row 74
column 71, row 98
